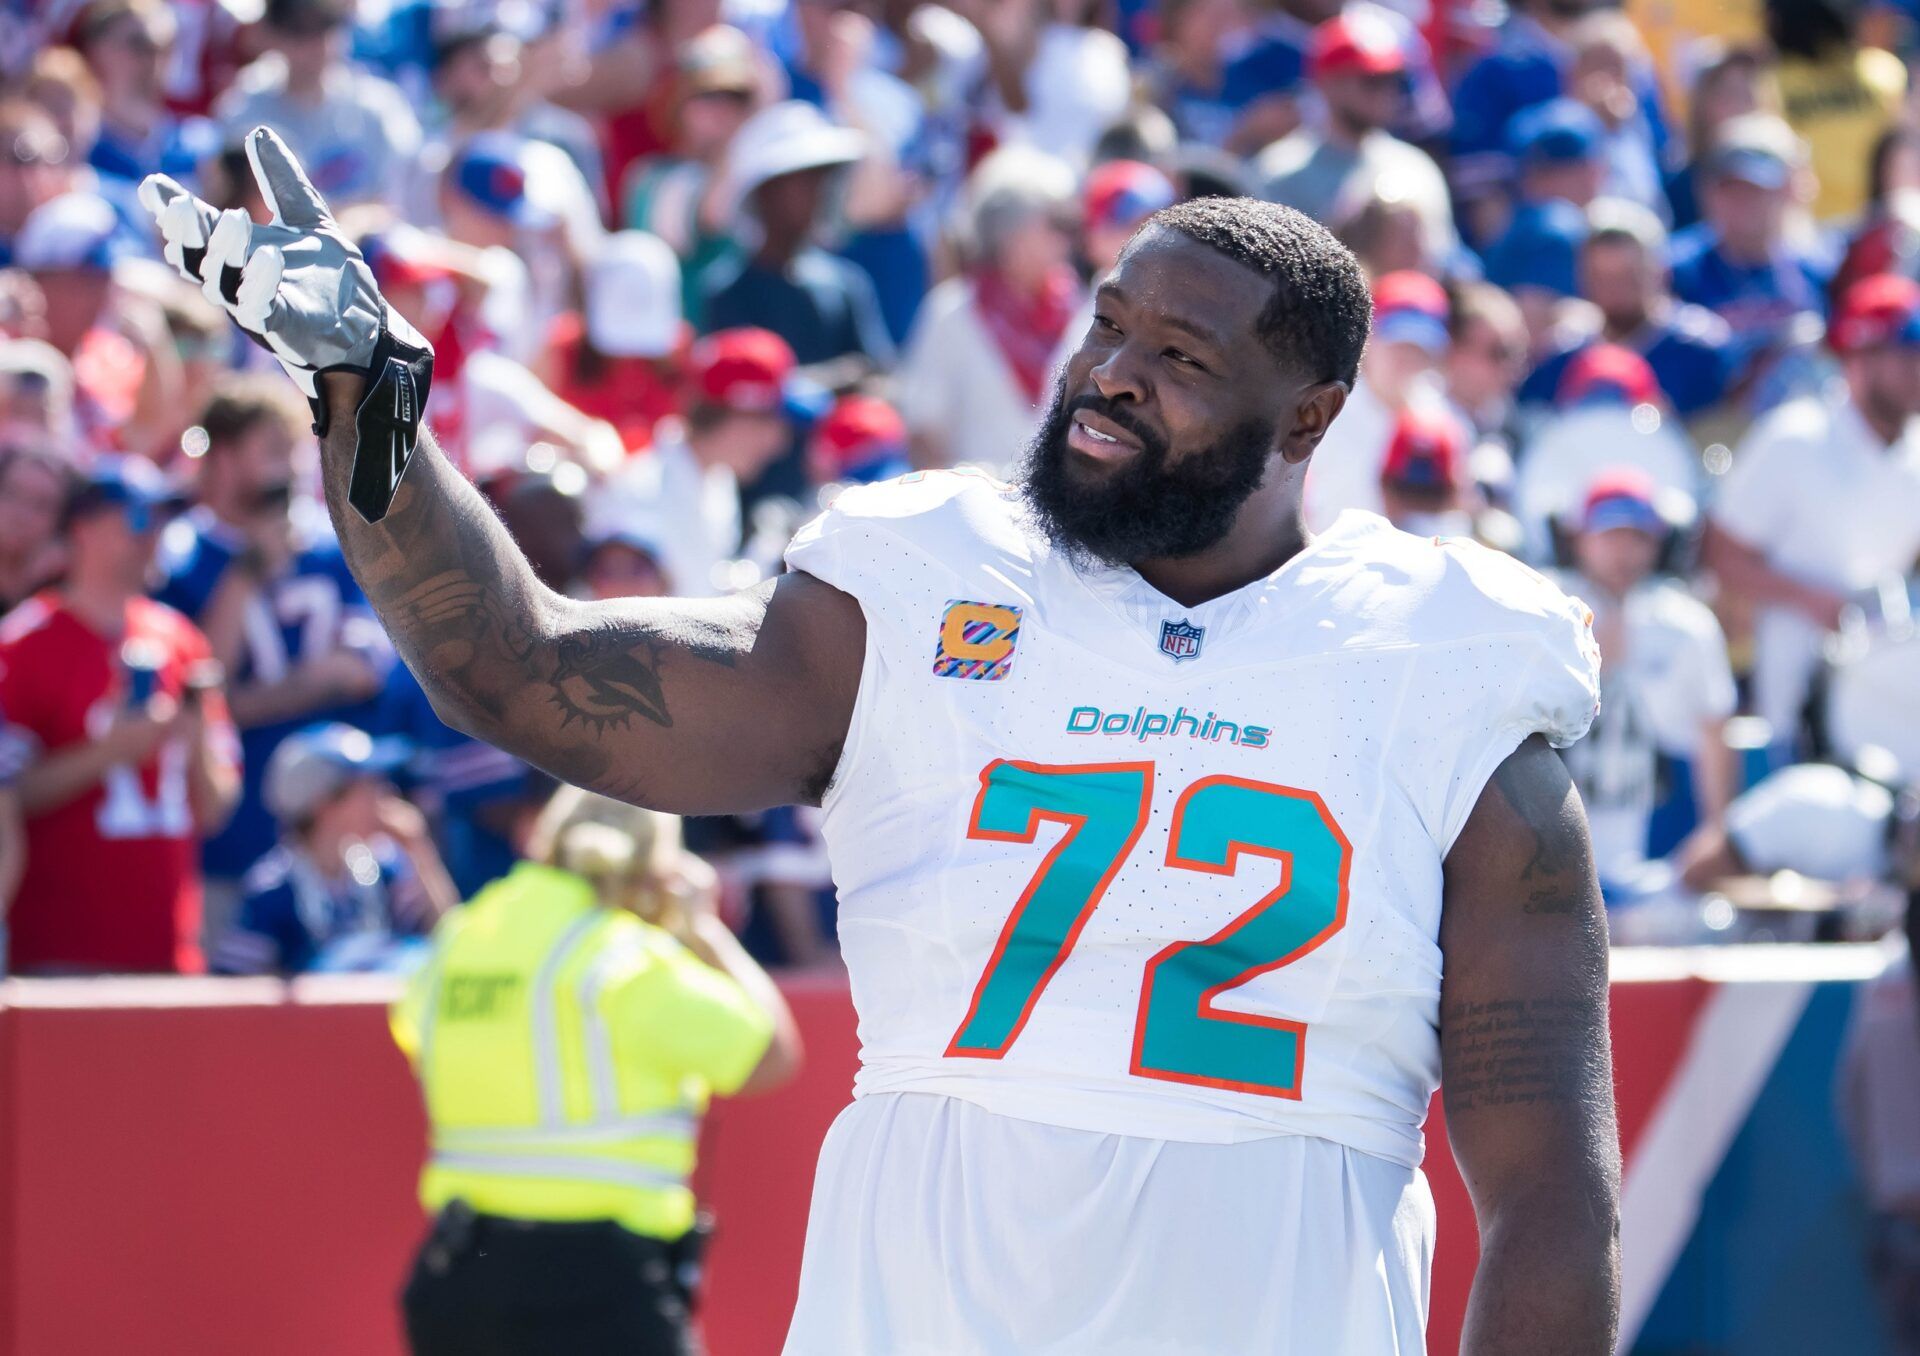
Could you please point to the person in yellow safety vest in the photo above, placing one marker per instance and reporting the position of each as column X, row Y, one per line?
column 567, row 1031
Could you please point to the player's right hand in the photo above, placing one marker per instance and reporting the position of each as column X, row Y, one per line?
column 297, row 285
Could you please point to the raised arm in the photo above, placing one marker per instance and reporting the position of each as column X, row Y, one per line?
column 697, row 707
column 694, row 706
column 1526, row 1073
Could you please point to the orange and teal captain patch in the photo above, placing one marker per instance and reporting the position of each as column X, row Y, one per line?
column 977, row 641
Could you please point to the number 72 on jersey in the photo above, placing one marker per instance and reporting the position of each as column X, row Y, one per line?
column 1179, row 1034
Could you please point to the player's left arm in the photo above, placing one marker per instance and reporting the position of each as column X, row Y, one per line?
column 1526, row 1070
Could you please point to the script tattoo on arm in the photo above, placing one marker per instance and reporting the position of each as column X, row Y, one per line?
column 1514, row 1052
column 573, row 687
column 1526, row 1073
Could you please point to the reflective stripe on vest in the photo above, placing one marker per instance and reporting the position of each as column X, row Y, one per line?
column 680, row 1125
column 561, row 1169
column 546, row 1035
column 593, row 1028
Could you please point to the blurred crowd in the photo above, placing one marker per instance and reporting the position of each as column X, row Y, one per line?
column 1647, row 314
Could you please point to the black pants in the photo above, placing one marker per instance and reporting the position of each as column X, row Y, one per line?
column 483, row 1286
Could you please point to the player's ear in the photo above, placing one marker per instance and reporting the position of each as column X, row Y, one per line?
column 1319, row 405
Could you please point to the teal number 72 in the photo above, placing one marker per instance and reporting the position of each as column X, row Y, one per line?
column 1179, row 1033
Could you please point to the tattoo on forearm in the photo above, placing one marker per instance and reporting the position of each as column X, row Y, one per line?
column 468, row 617
column 1517, row 1052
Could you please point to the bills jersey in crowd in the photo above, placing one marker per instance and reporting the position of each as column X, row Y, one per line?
column 1110, row 866
column 477, row 797
column 111, row 879
column 294, row 917
column 312, row 609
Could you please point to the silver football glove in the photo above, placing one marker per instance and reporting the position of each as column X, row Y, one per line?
column 302, row 290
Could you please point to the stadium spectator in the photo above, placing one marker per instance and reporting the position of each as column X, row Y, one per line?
column 480, row 801
column 1730, row 82
column 487, row 78
column 1118, row 195
column 617, row 357
column 1186, row 70
column 1822, row 821
column 859, row 440
column 1401, row 370
column 64, row 86
column 682, row 196
column 1745, row 261
column 34, row 486
column 1526, row 67
column 355, row 133
column 131, row 757
column 486, row 407
column 1838, row 95
column 624, row 562
column 1359, row 69
column 355, row 874
column 35, row 168
column 125, row 372
column 1486, row 360
column 274, row 598
column 1560, row 149
column 1607, row 51
column 1666, row 689
column 565, row 1253
column 981, row 359
column 1387, row 235
column 1887, row 239
column 544, row 516
column 1623, row 272
column 1536, row 261
column 1424, row 486
column 1824, row 497
column 780, row 168
column 1060, row 76
column 1608, row 412
column 685, row 493
column 36, row 395
column 1264, row 80
column 492, row 197
column 128, row 45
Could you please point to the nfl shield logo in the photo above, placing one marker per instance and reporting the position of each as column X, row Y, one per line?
column 1180, row 640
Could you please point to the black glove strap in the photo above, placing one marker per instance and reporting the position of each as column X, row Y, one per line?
column 387, row 424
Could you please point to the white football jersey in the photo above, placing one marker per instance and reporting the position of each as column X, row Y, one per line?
column 1115, row 864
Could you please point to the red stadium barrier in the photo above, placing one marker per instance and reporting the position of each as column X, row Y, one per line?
column 227, row 1166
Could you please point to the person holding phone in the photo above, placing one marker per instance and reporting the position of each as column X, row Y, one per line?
column 113, row 706
column 276, row 601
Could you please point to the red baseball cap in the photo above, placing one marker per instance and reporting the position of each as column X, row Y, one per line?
column 1411, row 308
column 1359, row 43
column 1428, row 451
column 398, row 258
column 1125, row 193
column 861, row 437
column 1877, row 312
column 1622, row 496
column 744, row 370
column 1608, row 370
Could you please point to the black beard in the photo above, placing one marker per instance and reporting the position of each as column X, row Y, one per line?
column 1146, row 510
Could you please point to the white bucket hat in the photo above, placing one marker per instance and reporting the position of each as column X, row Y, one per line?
column 633, row 296
column 786, row 138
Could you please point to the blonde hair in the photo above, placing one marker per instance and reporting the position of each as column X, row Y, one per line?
column 629, row 853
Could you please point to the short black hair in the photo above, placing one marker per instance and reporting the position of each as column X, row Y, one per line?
column 1321, row 308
